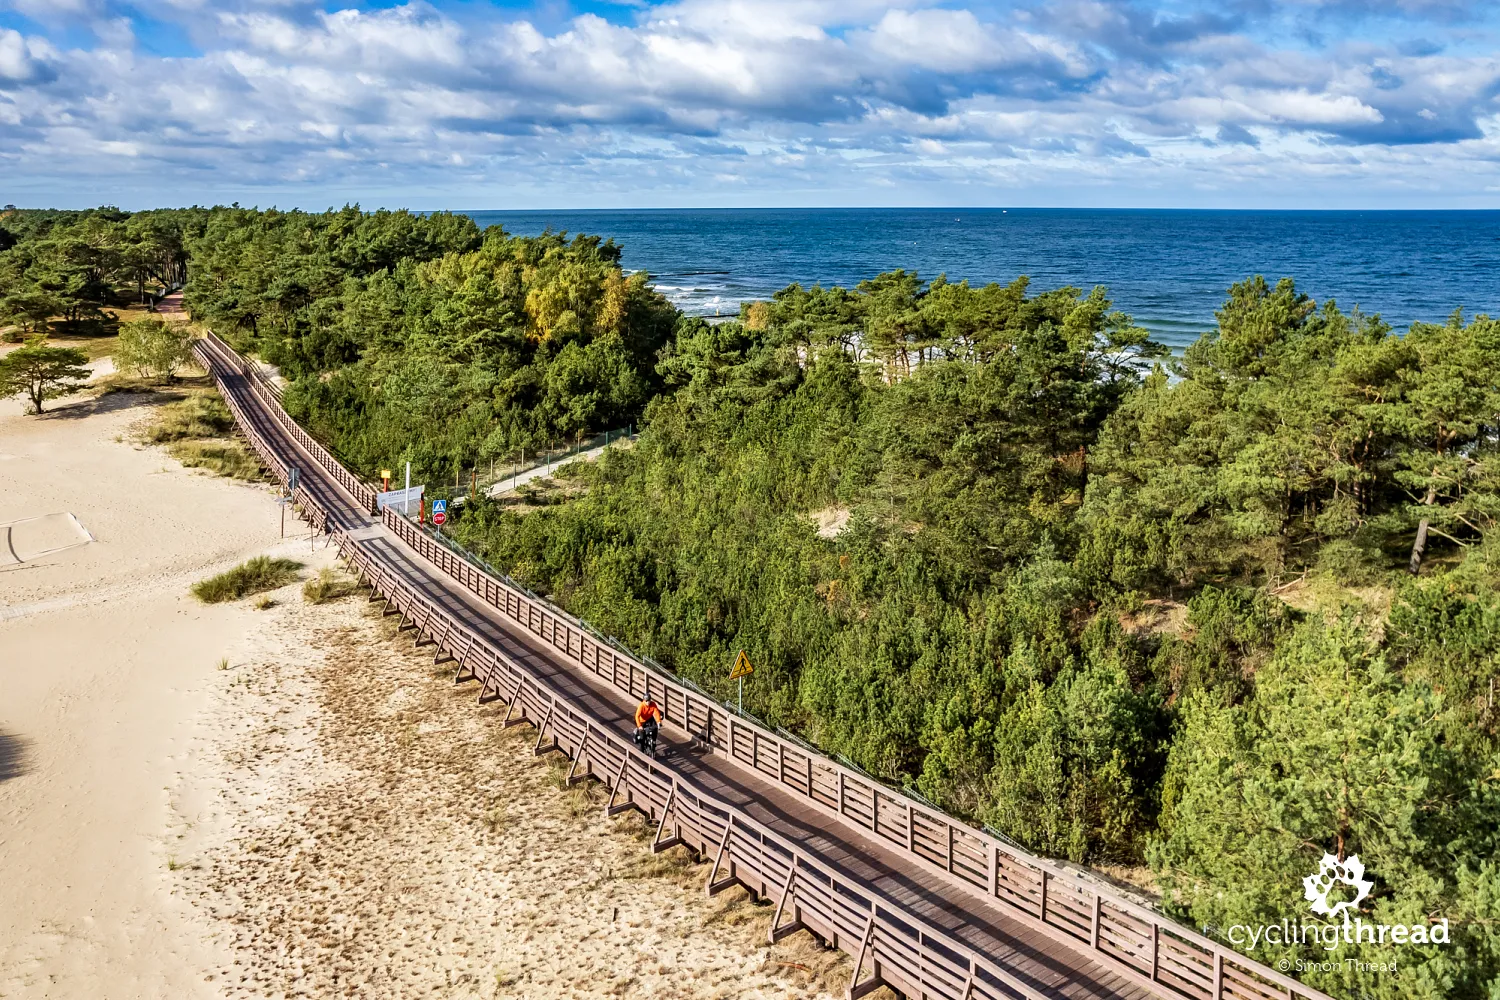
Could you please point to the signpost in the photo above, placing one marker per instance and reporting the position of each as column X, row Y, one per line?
column 291, row 488
column 398, row 498
column 440, row 514
column 739, row 672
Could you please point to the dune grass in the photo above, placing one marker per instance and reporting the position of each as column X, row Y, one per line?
column 195, row 431
column 250, row 577
column 196, row 417
column 328, row 585
column 223, row 456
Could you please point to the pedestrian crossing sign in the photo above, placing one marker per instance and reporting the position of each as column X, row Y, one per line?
column 742, row 667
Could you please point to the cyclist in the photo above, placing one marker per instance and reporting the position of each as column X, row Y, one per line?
column 648, row 719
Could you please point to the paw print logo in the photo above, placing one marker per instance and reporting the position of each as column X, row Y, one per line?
column 1332, row 872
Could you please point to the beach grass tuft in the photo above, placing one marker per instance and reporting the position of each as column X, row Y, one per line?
column 250, row 577
column 195, row 431
column 201, row 416
column 328, row 585
column 223, row 456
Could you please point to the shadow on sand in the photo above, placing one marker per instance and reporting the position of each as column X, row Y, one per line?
column 108, row 402
column 12, row 756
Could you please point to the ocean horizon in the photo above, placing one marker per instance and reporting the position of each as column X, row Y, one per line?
column 1169, row 269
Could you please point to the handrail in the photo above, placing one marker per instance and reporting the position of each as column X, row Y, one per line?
column 260, row 385
column 1132, row 939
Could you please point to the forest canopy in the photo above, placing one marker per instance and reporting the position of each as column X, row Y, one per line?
column 1160, row 613
column 1199, row 618
column 419, row 338
column 61, row 268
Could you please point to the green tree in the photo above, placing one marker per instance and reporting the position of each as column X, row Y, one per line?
column 30, row 309
column 1335, row 753
column 153, row 348
column 41, row 373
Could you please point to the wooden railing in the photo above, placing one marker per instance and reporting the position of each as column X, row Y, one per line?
column 313, row 511
column 889, row 946
column 1132, row 939
column 361, row 491
column 1066, row 905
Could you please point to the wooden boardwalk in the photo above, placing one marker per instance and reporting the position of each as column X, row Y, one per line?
column 1036, row 961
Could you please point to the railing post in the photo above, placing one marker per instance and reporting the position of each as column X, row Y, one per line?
column 1094, row 927
column 1156, row 950
column 1218, row 991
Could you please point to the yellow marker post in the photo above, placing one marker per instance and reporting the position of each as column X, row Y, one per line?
column 740, row 671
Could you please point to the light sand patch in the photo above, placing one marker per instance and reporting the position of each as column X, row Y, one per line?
column 104, row 664
column 830, row 521
column 219, row 801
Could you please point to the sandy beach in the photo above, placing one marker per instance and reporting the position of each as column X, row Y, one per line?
column 227, row 801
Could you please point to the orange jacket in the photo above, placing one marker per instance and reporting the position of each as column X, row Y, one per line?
column 647, row 711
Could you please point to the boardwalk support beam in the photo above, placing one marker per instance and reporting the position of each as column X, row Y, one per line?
column 490, row 690
column 510, row 706
column 541, row 731
column 777, row 932
column 710, row 887
column 859, row 989
column 573, row 779
column 463, row 674
column 657, row 843
column 610, row 808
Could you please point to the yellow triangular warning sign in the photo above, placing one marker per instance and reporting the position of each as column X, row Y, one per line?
column 742, row 667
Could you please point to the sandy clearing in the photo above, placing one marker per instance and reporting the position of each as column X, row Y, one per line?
column 152, row 520
column 231, row 802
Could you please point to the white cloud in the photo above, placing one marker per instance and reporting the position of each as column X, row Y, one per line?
column 758, row 95
column 22, row 60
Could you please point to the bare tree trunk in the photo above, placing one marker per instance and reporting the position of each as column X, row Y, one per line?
column 1420, row 545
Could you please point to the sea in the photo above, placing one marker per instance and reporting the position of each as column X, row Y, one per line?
column 1168, row 269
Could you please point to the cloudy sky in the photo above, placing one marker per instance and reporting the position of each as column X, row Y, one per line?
column 1244, row 103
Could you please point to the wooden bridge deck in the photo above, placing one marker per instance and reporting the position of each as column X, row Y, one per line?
column 1051, row 967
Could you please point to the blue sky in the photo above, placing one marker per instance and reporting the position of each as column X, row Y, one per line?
column 1239, row 104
